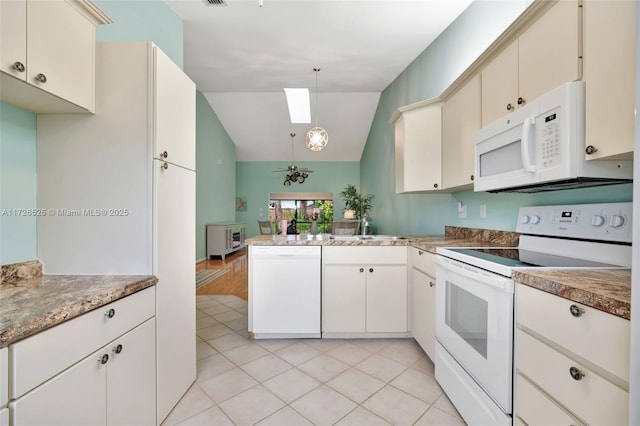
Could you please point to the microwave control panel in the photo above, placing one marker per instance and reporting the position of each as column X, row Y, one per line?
column 550, row 140
column 603, row 221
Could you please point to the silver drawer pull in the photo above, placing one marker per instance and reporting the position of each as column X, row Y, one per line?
column 110, row 313
column 117, row 349
column 103, row 359
column 41, row 78
column 576, row 374
column 576, row 310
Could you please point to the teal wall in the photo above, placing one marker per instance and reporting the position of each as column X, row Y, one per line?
column 18, row 233
column 140, row 20
column 428, row 76
column 143, row 20
column 255, row 180
column 216, row 173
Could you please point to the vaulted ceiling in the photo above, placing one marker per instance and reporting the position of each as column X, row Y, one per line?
column 241, row 55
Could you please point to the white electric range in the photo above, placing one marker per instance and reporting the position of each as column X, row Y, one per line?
column 475, row 297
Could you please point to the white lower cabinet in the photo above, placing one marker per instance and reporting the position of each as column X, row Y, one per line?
column 422, row 296
column 364, row 289
column 76, row 396
column 4, row 417
column 584, row 378
column 114, row 384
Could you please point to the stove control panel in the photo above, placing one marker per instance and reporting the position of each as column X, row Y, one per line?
column 604, row 221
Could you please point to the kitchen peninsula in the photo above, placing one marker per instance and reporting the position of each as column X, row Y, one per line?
column 606, row 290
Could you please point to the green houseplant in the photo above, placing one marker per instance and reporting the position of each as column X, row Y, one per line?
column 359, row 203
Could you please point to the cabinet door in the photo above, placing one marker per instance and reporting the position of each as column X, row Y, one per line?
column 4, row 417
column 344, row 293
column 461, row 118
column 609, row 72
column 75, row 397
column 423, row 312
column 500, row 85
column 386, row 298
column 174, row 244
column 549, row 51
column 61, row 46
column 13, row 36
column 419, row 156
column 175, row 113
column 131, row 377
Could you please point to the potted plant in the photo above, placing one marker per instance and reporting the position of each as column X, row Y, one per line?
column 360, row 204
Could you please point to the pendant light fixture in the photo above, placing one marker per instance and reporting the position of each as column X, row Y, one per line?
column 317, row 138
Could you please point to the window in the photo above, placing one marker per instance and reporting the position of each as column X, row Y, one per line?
column 304, row 208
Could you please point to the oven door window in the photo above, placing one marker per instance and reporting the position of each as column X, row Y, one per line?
column 467, row 315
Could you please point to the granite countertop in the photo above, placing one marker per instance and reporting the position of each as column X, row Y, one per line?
column 30, row 305
column 608, row 290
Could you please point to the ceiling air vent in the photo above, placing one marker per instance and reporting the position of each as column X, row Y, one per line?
column 215, row 2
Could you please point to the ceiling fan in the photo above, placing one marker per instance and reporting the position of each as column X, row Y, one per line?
column 294, row 173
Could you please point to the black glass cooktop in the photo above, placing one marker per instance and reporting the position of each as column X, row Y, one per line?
column 514, row 257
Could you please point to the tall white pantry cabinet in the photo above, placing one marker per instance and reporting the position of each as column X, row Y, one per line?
column 119, row 191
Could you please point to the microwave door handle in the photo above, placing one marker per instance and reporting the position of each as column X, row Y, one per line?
column 524, row 146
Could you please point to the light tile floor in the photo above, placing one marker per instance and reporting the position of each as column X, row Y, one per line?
column 305, row 381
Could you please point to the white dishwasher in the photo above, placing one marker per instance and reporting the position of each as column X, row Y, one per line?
column 284, row 291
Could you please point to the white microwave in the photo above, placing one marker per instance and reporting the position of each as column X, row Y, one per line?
column 540, row 147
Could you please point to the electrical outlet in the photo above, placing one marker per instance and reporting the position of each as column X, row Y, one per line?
column 462, row 212
column 483, row 211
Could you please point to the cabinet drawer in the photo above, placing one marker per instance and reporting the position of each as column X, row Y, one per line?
column 39, row 357
column 372, row 255
column 422, row 260
column 595, row 335
column 535, row 408
column 592, row 398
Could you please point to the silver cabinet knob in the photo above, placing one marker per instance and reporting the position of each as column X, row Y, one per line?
column 164, row 155
column 370, row 269
column 361, row 269
column 576, row 310
column 431, row 283
column 103, row 359
column 509, row 107
column 590, row 149
column 576, row 373
column 420, row 252
column 521, row 100
column 18, row 66
column 117, row 349
column 110, row 313
column 165, row 166
column 41, row 78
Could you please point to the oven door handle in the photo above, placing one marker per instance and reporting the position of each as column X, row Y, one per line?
column 497, row 281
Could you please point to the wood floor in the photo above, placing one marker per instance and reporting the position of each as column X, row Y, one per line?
column 235, row 281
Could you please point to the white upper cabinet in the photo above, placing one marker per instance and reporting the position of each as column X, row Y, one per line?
column 609, row 72
column 547, row 55
column 175, row 112
column 461, row 119
column 418, row 147
column 50, row 46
